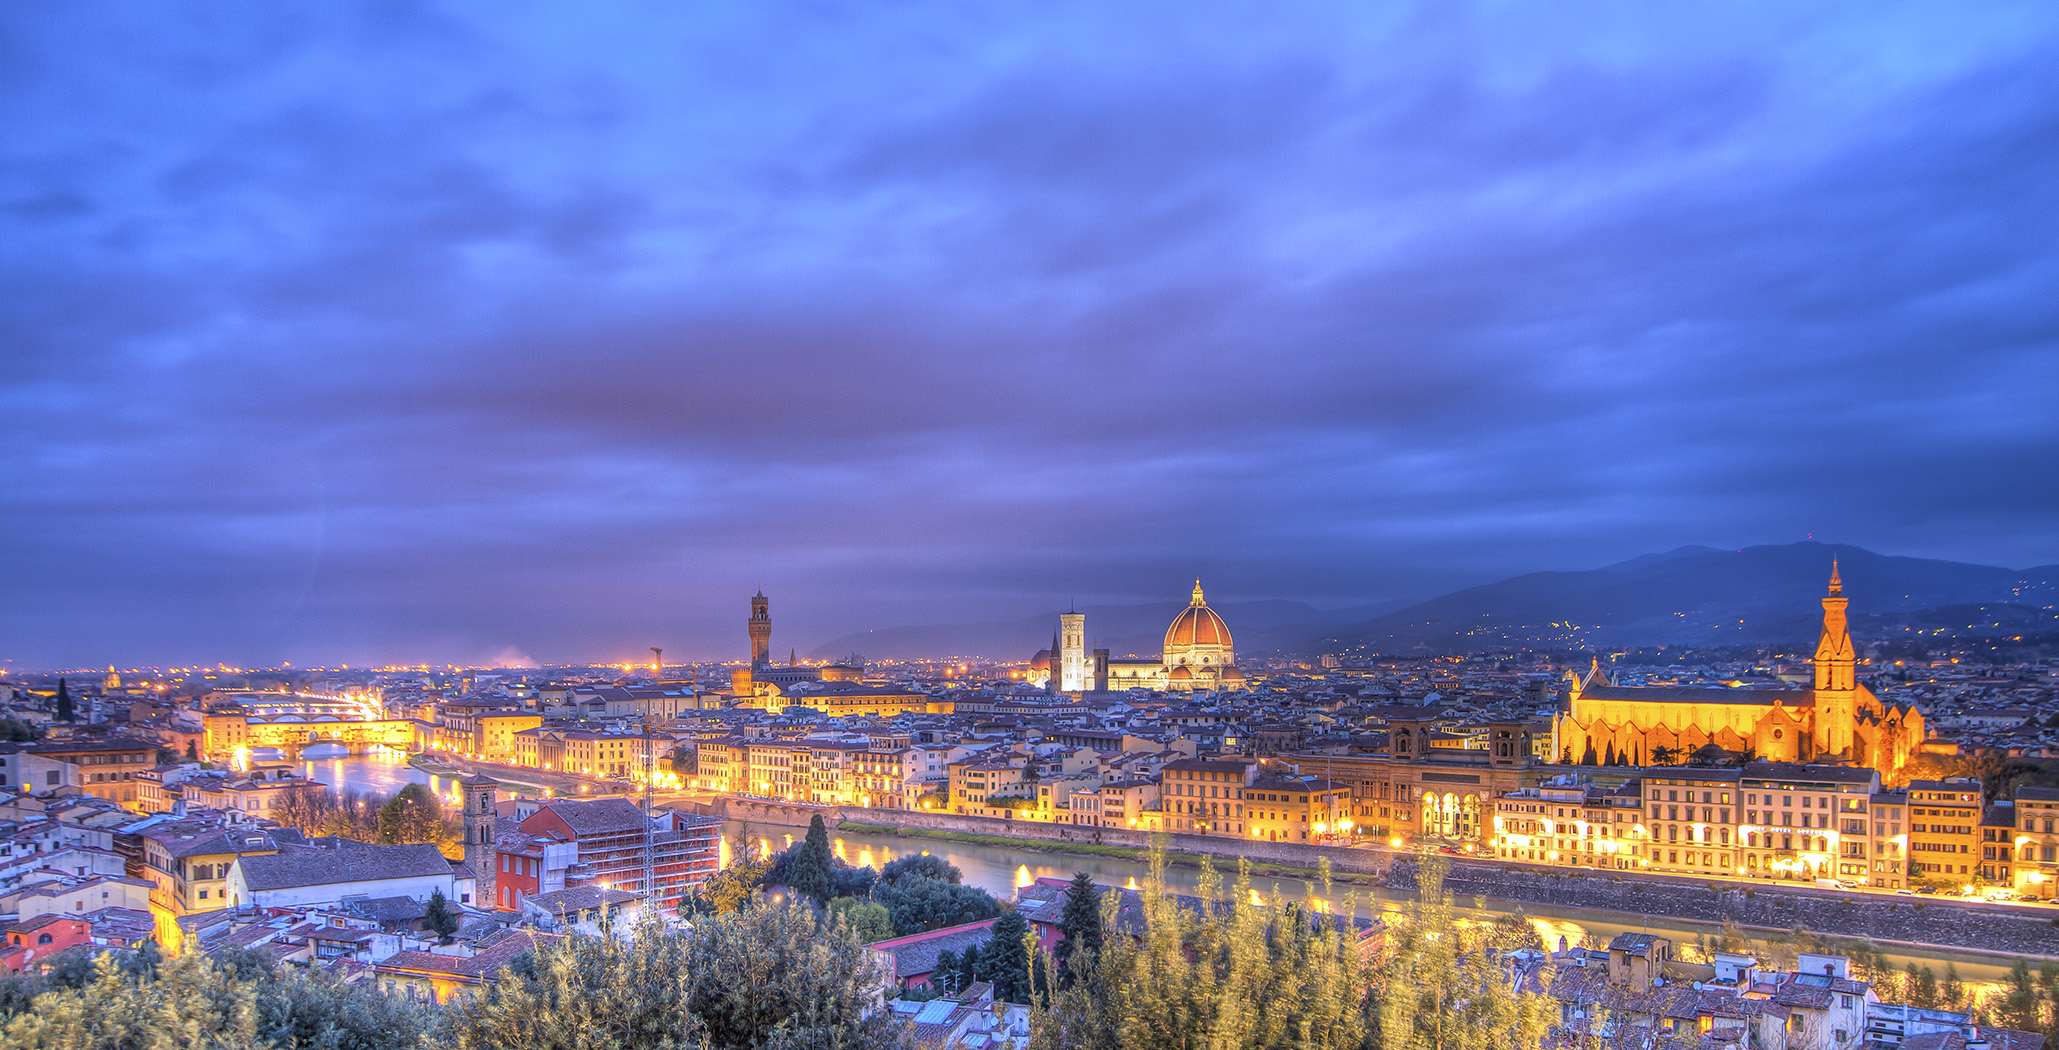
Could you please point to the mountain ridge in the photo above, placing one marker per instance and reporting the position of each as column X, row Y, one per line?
column 1760, row 595
column 1693, row 595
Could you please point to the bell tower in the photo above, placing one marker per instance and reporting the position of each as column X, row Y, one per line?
column 760, row 625
column 482, row 853
column 1837, row 698
column 1070, row 659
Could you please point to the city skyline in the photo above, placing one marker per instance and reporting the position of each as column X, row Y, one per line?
column 436, row 337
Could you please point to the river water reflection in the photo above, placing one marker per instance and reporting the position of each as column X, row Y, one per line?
column 380, row 772
column 1000, row 870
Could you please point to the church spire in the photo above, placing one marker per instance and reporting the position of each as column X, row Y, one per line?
column 1197, row 593
column 1836, row 664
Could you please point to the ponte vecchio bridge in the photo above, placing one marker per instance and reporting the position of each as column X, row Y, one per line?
column 294, row 722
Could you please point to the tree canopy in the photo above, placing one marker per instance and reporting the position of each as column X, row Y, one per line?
column 773, row 978
column 921, row 865
column 916, row 904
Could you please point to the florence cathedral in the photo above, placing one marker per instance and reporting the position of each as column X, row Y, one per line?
column 1198, row 656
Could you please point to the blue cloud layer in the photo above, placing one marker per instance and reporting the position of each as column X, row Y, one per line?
column 416, row 334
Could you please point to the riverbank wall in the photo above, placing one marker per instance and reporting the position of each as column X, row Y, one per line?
column 1342, row 860
column 1904, row 920
column 1900, row 920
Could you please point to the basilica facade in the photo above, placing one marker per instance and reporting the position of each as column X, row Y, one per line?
column 1838, row 720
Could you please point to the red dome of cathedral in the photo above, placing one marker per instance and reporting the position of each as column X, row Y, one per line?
column 1196, row 625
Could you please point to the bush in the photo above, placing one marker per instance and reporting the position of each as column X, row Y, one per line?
column 768, row 977
column 917, row 904
column 198, row 1001
column 868, row 920
column 923, row 866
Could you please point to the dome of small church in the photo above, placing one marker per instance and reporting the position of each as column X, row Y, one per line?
column 1041, row 661
column 1197, row 625
column 1180, row 674
column 1231, row 674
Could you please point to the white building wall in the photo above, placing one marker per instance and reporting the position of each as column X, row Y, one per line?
column 418, row 887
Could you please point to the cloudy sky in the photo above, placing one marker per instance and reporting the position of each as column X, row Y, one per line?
column 391, row 332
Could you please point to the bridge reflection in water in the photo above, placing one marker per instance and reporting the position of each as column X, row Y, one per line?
column 379, row 771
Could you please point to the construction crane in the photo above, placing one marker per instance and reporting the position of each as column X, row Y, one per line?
column 650, row 822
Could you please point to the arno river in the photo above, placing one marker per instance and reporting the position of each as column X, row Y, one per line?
column 381, row 772
column 1000, row 870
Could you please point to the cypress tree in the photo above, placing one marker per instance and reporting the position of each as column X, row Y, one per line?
column 1923, row 988
column 64, row 706
column 970, row 968
column 1006, row 959
column 813, row 863
column 440, row 917
column 1080, row 923
column 1953, row 990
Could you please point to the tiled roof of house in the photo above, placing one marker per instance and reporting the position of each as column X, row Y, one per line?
column 362, row 863
column 599, row 816
column 580, row 898
column 916, row 954
column 472, row 969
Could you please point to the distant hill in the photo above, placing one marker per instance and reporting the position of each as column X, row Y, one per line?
column 1702, row 596
column 1687, row 596
column 1121, row 629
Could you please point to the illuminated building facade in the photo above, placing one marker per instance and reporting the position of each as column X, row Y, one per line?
column 1569, row 823
column 1296, row 809
column 1414, row 792
column 1203, row 796
column 2036, row 870
column 1811, row 822
column 1888, row 854
column 1838, row 720
column 107, row 769
column 1690, row 825
column 1944, row 830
